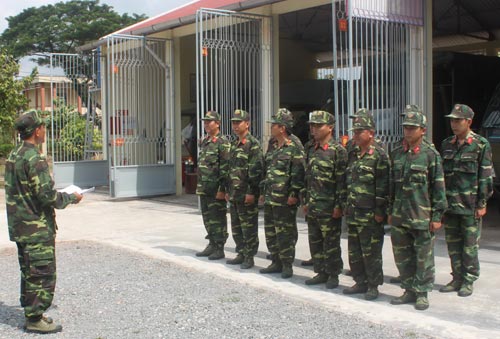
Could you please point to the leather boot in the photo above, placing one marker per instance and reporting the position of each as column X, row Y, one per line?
column 207, row 251
column 218, row 253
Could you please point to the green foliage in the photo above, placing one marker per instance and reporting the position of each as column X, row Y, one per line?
column 62, row 27
column 12, row 99
column 5, row 149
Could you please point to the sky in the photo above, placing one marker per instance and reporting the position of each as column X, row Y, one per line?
column 148, row 7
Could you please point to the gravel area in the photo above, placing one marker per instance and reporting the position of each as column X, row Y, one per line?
column 106, row 293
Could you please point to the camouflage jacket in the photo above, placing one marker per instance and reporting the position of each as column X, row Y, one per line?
column 467, row 173
column 417, row 193
column 245, row 168
column 367, row 180
column 213, row 165
column 325, row 177
column 31, row 197
column 283, row 173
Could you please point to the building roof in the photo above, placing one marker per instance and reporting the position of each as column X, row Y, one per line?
column 186, row 14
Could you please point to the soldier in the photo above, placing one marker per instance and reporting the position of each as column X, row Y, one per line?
column 31, row 199
column 367, row 178
column 213, row 166
column 468, row 176
column 283, row 181
column 416, row 206
column 324, row 196
column 246, row 162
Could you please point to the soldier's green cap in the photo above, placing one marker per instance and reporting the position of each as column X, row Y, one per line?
column 321, row 117
column 211, row 115
column 460, row 111
column 29, row 121
column 360, row 112
column 362, row 122
column 240, row 115
column 282, row 117
column 413, row 116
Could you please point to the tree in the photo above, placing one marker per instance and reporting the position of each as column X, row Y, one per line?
column 12, row 99
column 62, row 27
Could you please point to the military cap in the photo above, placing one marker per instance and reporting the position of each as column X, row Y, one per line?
column 240, row 115
column 282, row 117
column 212, row 116
column 413, row 116
column 360, row 112
column 362, row 122
column 460, row 111
column 28, row 122
column 321, row 117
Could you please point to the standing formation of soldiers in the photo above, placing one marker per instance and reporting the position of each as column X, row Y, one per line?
column 361, row 183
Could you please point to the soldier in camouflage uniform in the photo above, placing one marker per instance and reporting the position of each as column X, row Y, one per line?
column 416, row 206
column 31, row 199
column 325, row 193
column 367, row 178
column 468, row 176
column 245, row 174
column 283, row 181
column 213, row 166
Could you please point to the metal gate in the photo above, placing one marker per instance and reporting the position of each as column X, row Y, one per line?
column 377, row 61
column 74, row 101
column 233, row 67
column 139, row 115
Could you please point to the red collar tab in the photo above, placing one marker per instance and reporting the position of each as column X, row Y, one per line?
column 214, row 139
column 325, row 147
column 370, row 151
column 406, row 147
column 243, row 141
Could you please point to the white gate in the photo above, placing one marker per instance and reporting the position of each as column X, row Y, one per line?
column 233, row 67
column 378, row 61
column 74, row 97
column 139, row 115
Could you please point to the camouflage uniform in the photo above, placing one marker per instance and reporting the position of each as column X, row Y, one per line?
column 469, row 184
column 325, row 191
column 245, row 174
column 367, row 178
column 213, row 166
column 283, row 178
column 417, row 197
column 31, row 199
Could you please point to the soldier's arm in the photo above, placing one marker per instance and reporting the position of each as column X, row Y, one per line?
column 43, row 186
column 255, row 169
column 485, row 184
column 297, row 172
column 382, row 184
column 224, row 149
column 437, row 189
column 390, row 201
column 340, row 166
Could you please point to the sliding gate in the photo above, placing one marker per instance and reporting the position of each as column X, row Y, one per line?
column 233, row 67
column 377, row 61
column 139, row 115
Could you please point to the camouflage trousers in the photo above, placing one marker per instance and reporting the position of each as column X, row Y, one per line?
column 37, row 262
column 414, row 256
column 244, row 227
column 280, row 225
column 365, row 244
column 214, row 213
column 462, row 237
column 324, row 243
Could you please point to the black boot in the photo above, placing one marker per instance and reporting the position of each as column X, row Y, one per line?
column 207, row 251
column 218, row 253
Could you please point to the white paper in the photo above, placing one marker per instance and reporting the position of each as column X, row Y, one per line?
column 73, row 188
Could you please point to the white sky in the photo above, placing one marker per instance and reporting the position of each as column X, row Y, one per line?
column 148, row 7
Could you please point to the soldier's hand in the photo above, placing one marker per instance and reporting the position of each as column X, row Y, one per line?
column 249, row 199
column 78, row 197
column 292, row 201
column 220, row 196
column 227, row 197
column 337, row 213
column 261, row 199
column 389, row 220
column 480, row 212
column 379, row 218
column 434, row 226
column 305, row 209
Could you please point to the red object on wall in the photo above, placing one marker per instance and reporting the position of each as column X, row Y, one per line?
column 343, row 25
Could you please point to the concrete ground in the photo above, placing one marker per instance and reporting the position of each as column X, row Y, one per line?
column 170, row 228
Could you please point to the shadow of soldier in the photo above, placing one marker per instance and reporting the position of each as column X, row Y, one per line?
column 11, row 315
